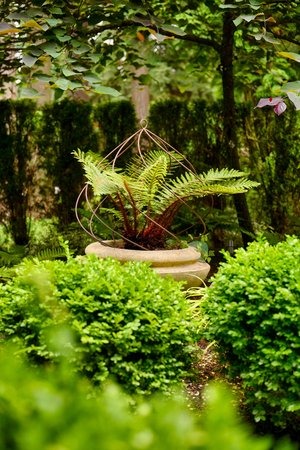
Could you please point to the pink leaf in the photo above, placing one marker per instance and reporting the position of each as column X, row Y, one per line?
column 279, row 108
column 271, row 101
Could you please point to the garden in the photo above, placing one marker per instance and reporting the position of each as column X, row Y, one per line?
column 149, row 218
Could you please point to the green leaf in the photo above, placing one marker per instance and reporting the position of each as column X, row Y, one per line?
column 229, row 6
column 68, row 73
column 294, row 407
column 106, row 90
column 247, row 17
column 35, row 12
column 290, row 55
column 255, row 4
column 82, row 49
column 258, row 36
column 92, row 78
column 64, row 84
column 95, row 57
column 28, row 93
column 18, row 16
column 56, row 10
column 29, row 60
column 53, row 22
column 268, row 37
column 51, row 49
column 43, row 77
column 173, row 29
column 291, row 86
column 238, row 21
column 62, row 36
column 145, row 22
column 79, row 68
column 295, row 98
column 75, row 43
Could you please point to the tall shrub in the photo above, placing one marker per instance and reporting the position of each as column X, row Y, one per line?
column 116, row 121
column 67, row 125
column 192, row 128
column 273, row 145
column 18, row 164
column 253, row 310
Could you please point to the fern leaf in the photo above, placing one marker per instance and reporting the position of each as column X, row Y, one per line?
column 189, row 185
column 151, row 179
column 221, row 174
column 7, row 273
column 172, row 160
column 51, row 253
column 103, row 179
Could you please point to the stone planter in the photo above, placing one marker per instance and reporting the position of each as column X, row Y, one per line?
column 181, row 264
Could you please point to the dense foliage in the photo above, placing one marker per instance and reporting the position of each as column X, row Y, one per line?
column 39, row 176
column 18, row 165
column 53, row 408
column 75, row 40
column 64, row 126
column 116, row 120
column 130, row 323
column 254, row 313
column 81, row 45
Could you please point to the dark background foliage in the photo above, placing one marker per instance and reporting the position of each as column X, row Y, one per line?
column 36, row 159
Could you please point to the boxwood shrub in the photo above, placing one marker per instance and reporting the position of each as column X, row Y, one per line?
column 54, row 409
column 253, row 309
column 131, row 324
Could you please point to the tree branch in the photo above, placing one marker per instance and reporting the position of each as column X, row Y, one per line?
column 185, row 37
column 285, row 38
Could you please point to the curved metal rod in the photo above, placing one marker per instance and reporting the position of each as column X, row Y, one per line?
column 111, row 159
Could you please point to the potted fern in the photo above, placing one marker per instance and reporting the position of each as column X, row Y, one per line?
column 138, row 204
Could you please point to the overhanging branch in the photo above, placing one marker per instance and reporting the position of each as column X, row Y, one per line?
column 130, row 23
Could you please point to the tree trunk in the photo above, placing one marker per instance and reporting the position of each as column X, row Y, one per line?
column 230, row 146
column 140, row 95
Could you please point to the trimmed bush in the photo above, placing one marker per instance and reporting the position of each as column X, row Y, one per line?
column 54, row 409
column 253, row 307
column 131, row 324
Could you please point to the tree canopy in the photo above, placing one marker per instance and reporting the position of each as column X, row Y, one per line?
column 224, row 48
column 82, row 43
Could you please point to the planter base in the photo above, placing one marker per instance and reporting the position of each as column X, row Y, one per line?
column 182, row 264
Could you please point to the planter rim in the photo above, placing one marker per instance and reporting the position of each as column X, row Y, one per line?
column 156, row 257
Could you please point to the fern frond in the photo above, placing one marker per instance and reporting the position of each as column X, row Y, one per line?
column 146, row 175
column 151, row 179
column 11, row 258
column 49, row 254
column 148, row 159
column 103, row 179
column 7, row 273
column 221, row 174
column 189, row 185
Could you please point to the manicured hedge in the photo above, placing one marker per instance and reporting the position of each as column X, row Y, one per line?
column 253, row 309
column 130, row 323
column 54, row 409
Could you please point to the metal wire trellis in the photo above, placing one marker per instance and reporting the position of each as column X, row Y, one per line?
column 138, row 144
